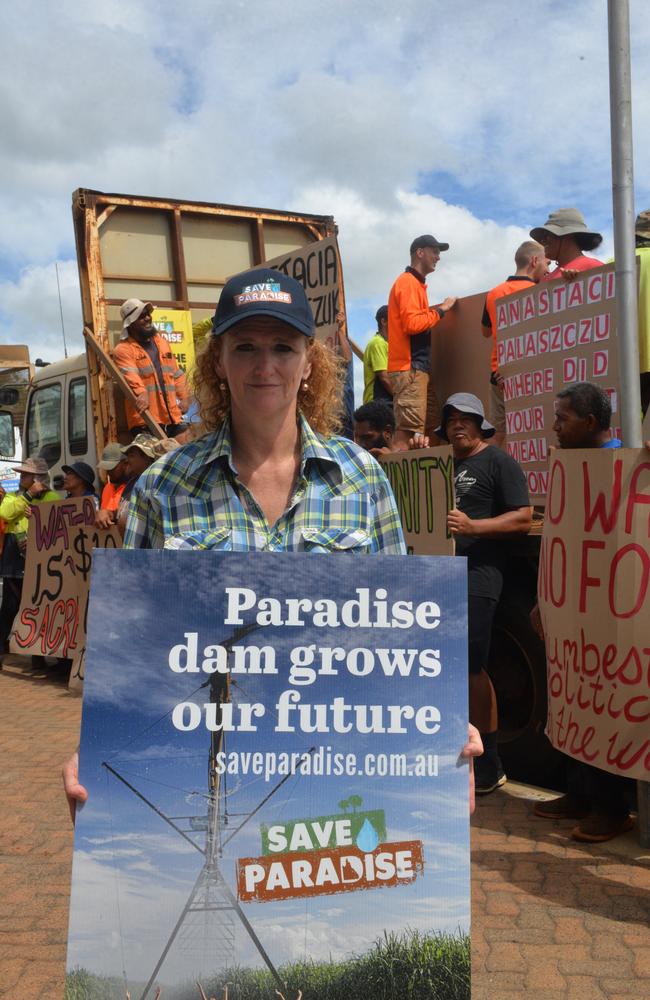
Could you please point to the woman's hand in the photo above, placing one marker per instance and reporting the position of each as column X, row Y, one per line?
column 73, row 790
column 473, row 748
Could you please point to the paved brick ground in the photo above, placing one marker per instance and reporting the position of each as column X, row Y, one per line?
column 551, row 920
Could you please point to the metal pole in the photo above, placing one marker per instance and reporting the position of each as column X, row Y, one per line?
column 620, row 110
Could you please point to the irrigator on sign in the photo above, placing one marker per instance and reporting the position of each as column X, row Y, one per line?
column 317, row 857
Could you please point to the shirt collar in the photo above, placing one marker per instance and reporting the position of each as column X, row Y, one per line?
column 416, row 274
column 520, row 277
column 217, row 447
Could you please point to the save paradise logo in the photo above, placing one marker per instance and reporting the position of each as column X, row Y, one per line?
column 318, row 857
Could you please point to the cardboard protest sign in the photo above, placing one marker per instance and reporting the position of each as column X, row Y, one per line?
column 548, row 337
column 175, row 325
column 276, row 799
column 58, row 559
column 423, row 484
column 317, row 267
column 594, row 599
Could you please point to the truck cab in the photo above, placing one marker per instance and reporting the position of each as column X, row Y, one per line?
column 58, row 418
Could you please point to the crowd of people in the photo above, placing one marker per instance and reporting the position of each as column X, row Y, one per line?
column 270, row 472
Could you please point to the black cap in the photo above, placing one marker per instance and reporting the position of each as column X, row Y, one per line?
column 83, row 470
column 263, row 292
column 382, row 313
column 427, row 241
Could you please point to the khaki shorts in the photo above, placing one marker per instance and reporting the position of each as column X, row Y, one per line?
column 415, row 403
column 496, row 408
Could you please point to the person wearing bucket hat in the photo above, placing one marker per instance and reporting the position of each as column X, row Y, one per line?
column 79, row 480
column 564, row 236
column 149, row 367
column 492, row 507
column 410, row 322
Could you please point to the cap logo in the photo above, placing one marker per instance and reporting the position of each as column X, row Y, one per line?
column 265, row 291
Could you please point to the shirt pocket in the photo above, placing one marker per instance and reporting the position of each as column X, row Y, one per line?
column 340, row 524
column 184, row 515
column 219, row 538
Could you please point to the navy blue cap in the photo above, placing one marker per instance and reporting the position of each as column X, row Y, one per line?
column 263, row 292
column 465, row 402
column 83, row 470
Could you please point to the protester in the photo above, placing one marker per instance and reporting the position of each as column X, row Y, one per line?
column 564, row 237
column 492, row 507
column 79, row 480
column 268, row 475
column 410, row 321
column 138, row 456
column 598, row 799
column 642, row 239
column 33, row 488
column 376, row 381
column 151, row 371
column 531, row 265
column 374, row 426
column 115, row 466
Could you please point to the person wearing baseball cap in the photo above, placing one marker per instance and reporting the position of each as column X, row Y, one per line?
column 376, row 381
column 564, row 236
column 492, row 507
column 410, row 322
column 268, row 474
column 33, row 488
column 149, row 367
column 113, row 468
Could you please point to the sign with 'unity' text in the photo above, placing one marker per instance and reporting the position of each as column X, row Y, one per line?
column 58, row 560
column 423, row 484
column 317, row 266
column 549, row 337
column 594, row 599
column 275, row 787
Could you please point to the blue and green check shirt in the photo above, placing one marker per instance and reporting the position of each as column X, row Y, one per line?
column 192, row 498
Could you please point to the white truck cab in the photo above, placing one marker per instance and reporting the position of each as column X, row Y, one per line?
column 58, row 418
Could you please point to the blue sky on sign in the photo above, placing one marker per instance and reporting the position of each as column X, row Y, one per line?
column 468, row 120
column 132, row 874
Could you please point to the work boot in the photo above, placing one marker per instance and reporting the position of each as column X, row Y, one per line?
column 564, row 807
column 597, row 828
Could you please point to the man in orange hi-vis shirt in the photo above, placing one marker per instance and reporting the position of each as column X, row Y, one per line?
column 410, row 320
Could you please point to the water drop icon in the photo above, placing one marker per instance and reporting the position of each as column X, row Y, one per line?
column 367, row 838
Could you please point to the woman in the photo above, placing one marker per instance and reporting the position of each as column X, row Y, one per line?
column 268, row 475
column 79, row 481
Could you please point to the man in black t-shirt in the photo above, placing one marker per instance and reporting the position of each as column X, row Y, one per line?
column 492, row 507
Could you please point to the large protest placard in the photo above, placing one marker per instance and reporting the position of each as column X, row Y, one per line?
column 276, row 798
column 594, row 599
column 423, row 484
column 58, row 559
column 317, row 267
column 549, row 337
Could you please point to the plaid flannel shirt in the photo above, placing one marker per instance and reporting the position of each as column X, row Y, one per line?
column 191, row 498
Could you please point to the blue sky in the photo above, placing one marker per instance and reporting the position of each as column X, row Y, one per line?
column 468, row 120
column 132, row 874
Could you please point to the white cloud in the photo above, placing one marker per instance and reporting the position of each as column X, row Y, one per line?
column 395, row 120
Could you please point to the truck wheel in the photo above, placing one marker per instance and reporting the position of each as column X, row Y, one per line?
column 517, row 668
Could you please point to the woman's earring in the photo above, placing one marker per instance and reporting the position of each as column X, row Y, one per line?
column 223, row 386
column 305, row 386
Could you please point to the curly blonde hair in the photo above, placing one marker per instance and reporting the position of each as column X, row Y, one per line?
column 321, row 402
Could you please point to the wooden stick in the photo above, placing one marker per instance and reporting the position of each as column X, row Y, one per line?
column 124, row 386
